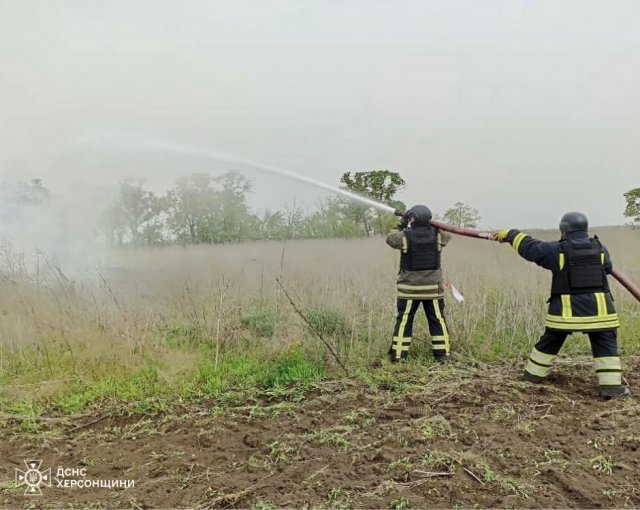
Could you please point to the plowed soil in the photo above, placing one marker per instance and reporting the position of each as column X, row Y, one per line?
column 409, row 437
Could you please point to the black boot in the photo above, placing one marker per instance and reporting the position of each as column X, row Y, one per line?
column 443, row 359
column 533, row 379
column 611, row 392
column 394, row 359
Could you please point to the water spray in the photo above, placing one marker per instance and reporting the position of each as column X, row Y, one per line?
column 219, row 156
column 467, row 232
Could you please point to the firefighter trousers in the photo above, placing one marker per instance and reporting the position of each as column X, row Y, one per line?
column 403, row 330
column 604, row 346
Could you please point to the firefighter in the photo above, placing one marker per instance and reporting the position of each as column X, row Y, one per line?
column 580, row 300
column 419, row 282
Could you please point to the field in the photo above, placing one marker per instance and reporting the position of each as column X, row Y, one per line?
column 189, row 371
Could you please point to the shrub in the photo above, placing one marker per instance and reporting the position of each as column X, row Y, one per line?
column 260, row 321
column 327, row 322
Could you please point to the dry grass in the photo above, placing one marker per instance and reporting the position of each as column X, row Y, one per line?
column 171, row 308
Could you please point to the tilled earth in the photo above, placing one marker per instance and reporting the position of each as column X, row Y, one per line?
column 401, row 437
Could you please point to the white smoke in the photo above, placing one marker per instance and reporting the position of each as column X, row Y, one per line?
column 62, row 227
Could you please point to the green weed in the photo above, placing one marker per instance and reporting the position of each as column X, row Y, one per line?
column 399, row 504
column 279, row 452
column 489, row 475
column 327, row 322
column 438, row 461
column 433, row 426
column 401, row 466
column 252, row 372
column 603, row 464
column 260, row 321
column 180, row 335
column 337, row 436
column 515, row 487
column 263, row 504
column 143, row 389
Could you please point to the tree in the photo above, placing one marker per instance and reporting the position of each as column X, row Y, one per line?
column 462, row 215
column 235, row 222
column 134, row 216
column 206, row 209
column 382, row 186
column 193, row 204
column 273, row 225
column 329, row 221
column 632, row 210
column 293, row 218
column 201, row 208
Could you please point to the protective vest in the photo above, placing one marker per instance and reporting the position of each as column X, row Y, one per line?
column 581, row 269
column 422, row 250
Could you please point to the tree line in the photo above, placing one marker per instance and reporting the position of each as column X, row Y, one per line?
column 205, row 209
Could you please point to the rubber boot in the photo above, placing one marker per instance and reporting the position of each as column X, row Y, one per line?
column 533, row 379
column 394, row 359
column 611, row 392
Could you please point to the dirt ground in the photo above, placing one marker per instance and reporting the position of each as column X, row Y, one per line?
column 425, row 437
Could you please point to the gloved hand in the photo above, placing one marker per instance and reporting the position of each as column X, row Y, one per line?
column 403, row 223
column 500, row 236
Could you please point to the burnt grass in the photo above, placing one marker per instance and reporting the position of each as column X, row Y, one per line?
column 409, row 436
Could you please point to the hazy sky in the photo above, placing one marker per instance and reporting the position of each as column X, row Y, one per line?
column 523, row 109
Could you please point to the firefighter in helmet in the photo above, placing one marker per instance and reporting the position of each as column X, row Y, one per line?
column 580, row 300
column 419, row 282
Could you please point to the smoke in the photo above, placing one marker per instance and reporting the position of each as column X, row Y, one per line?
column 60, row 226
column 219, row 156
column 64, row 224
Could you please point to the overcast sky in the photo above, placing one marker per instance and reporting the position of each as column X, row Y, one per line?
column 522, row 109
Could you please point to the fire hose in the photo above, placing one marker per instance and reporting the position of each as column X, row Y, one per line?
column 467, row 232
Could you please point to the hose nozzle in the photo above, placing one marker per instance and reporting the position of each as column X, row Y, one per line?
column 398, row 212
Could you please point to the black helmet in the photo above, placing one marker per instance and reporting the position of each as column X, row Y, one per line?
column 419, row 213
column 574, row 222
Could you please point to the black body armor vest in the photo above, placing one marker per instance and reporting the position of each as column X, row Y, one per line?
column 583, row 270
column 422, row 249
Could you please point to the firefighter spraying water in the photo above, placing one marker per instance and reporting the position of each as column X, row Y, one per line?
column 420, row 282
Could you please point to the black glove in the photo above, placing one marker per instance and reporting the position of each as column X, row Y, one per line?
column 403, row 223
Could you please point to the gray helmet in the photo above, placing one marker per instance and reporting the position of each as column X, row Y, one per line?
column 419, row 213
column 574, row 222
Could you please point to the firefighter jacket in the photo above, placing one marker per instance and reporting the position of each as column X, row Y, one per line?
column 418, row 284
column 580, row 299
